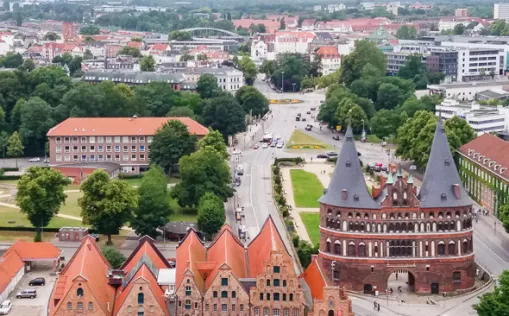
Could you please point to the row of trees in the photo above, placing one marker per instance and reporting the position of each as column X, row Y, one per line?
column 107, row 205
column 292, row 71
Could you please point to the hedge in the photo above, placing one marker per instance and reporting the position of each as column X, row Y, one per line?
column 125, row 176
column 33, row 229
column 10, row 169
column 13, row 177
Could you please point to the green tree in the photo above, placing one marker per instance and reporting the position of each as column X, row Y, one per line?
column 51, row 36
column 19, row 18
column 11, row 60
column 180, row 111
column 87, row 55
column 282, row 24
column 308, row 82
column 89, row 39
column 459, row 29
column 461, row 129
column 114, row 257
column 364, row 53
column 268, row 67
column 89, row 30
column 413, row 66
column 159, row 98
column 180, row 36
column 153, row 205
column 304, row 251
column 248, row 68
column 40, row 193
column 290, row 69
column 202, row 57
column 201, row 172
column 495, row 303
column 148, row 63
column 252, row 100
column 4, row 141
column 412, row 106
column 384, row 123
column 107, row 204
column 389, row 96
column 211, row 214
column 130, row 51
column 170, row 143
column 207, row 86
column 348, row 112
column 36, row 120
column 186, row 57
column 16, row 114
column 136, row 39
column 215, row 140
column 406, row 32
column 15, row 147
column 28, row 65
column 224, row 114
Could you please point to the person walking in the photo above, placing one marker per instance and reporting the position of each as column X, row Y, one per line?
column 378, row 308
column 375, row 305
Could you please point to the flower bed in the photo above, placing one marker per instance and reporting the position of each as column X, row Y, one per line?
column 285, row 101
column 306, row 146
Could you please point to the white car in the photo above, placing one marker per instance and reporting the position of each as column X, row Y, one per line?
column 236, row 152
column 279, row 145
column 277, row 137
column 36, row 159
column 265, row 145
column 5, row 308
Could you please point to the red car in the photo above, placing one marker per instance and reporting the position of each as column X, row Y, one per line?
column 256, row 146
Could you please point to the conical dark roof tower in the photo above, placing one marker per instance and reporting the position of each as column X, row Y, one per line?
column 442, row 185
column 348, row 187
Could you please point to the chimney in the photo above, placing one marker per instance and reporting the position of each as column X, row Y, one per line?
column 456, row 191
column 344, row 194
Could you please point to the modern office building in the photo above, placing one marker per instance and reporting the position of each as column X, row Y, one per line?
column 483, row 167
column 425, row 235
column 88, row 142
column 501, row 11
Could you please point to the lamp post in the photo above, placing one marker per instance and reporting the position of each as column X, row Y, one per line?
column 293, row 84
column 363, row 131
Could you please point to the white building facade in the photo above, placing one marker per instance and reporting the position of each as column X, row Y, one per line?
column 501, row 11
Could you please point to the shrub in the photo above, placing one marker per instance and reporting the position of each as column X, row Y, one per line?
column 37, row 237
column 295, row 240
column 284, row 211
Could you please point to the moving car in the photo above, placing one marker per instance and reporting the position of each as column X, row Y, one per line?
column 273, row 144
column 256, row 146
column 312, row 109
column 332, row 154
column 297, row 118
column 308, row 128
column 335, row 137
column 321, row 156
column 27, row 294
column 280, row 145
column 303, row 119
column 240, row 171
column 37, row 281
column 6, row 307
column 265, row 145
column 36, row 159
column 236, row 152
column 308, row 112
column 46, row 160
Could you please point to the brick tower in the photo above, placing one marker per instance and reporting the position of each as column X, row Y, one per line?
column 365, row 239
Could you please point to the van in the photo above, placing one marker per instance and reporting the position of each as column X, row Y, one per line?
column 27, row 294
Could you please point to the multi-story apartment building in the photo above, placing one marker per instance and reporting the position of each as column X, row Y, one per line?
column 293, row 42
column 426, row 235
column 501, row 11
column 259, row 279
column 478, row 64
column 134, row 78
column 461, row 12
column 331, row 60
column 121, row 140
column 229, row 79
column 483, row 167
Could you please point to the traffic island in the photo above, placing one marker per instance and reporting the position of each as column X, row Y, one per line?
column 301, row 140
column 285, row 101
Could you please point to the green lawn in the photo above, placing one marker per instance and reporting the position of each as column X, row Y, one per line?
column 307, row 189
column 11, row 214
column 71, row 204
column 301, row 140
column 312, row 223
column 181, row 214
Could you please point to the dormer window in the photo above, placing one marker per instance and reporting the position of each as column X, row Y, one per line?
column 443, row 196
column 475, row 155
column 486, row 160
column 481, row 157
column 471, row 152
column 356, row 197
column 496, row 167
column 492, row 163
column 502, row 170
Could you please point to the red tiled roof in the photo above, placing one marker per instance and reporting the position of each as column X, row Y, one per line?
column 90, row 264
column 308, row 22
column 226, row 249
column 144, row 273
column 314, row 279
column 270, row 26
column 120, row 126
column 10, row 265
column 134, row 44
column 259, row 250
column 27, row 250
column 492, row 152
column 328, row 51
column 189, row 252
column 145, row 247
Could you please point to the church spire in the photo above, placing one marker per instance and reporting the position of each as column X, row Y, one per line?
column 347, row 187
column 442, row 185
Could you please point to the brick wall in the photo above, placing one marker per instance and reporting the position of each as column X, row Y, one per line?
column 334, row 299
column 234, row 306
column 194, row 296
column 86, row 299
column 150, row 304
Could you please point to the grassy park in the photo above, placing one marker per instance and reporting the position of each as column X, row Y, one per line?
column 301, row 140
column 8, row 214
column 307, row 189
column 312, row 222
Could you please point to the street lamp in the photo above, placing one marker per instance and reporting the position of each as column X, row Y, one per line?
column 293, row 84
column 363, row 131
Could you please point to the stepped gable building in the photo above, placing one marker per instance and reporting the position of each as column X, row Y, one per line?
column 228, row 278
column 364, row 240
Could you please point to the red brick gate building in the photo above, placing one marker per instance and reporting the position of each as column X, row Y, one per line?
column 428, row 234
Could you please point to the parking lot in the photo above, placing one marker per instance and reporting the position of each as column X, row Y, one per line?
column 38, row 305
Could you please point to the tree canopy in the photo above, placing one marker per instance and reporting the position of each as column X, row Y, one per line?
column 248, row 68
column 364, row 53
column 89, row 30
column 495, row 303
column 211, row 214
column 215, row 140
column 224, row 114
column 252, row 100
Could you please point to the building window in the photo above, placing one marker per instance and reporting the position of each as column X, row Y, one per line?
column 75, row 139
column 257, row 311
column 108, row 148
column 83, row 139
column 75, row 149
column 224, row 307
column 141, row 298
column 117, row 148
column 456, row 276
column 125, row 148
column 133, row 148
column 79, row 292
column 214, row 294
column 100, row 139
column 206, row 307
column 58, row 140
column 149, row 139
column 117, row 139
column 224, row 294
column 188, row 290
column 233, row 307
column 266, row 311
column 276, row 269
column 268, row 282
column 241, row 307
column 275, row 312
column 66, row 149
column 108, row 139
column 142, row 139
column 286, row 312
column 291, row 297
column 133, row 157
column 59, row 149
column 261, row 296
column 100, row 148
column 188, row 304
column 125, row 139
column 90, row 305
column 153, row 308
column 142, row 148
column 268, row 296
column 79, row 306
column 100, row 157
column 295, row 312
column 69, row 305
column 215, row 307
column 441, row 249
column 276, row 296
column 142, row 157
column 196, row 305
column 284, row 283
column 224, row 281
column 92, row 157
column 284, row 297
column 276, row 282
column 234, row 294
column 134, row 139
column 117, row 157
column 125, row 157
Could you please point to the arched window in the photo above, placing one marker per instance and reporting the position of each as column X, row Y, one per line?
column 141, row 298
column 351, row 249
column 234, row 294
column 327, row 246
column 338, row 214
column 464, row 248
column 398, row 227
column 214, row 294
column 441, row 248
column 79, row 306
column 291, row 297
column 337, row 247
column 266, row 311
column 224, row 294
column 90, row 305
column 79, row 292
column 451, row 251
column 329, row 212
column 431, row 215
column 362, row 250
column 391, row 227
column 69, row 305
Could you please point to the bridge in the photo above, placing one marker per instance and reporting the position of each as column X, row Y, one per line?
column 209, row 32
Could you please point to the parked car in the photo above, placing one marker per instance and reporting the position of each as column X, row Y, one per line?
column 332, row 154
column 312, row 109
column 303, row 119
column 36, row 159
column 308, row 128
column 265, row 145
column 299, row 115
column 321, row 156
column 240, row 171
column 27, row 294
column 256, row 146
column 280, row 145
column 236, row 152
column 308, row 112
column 273, row 144
column 6, row 307
column 335, row 137
column 297, row 118
column 37, row 281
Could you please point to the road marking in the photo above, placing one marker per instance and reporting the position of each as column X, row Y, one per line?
column 251, row 198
